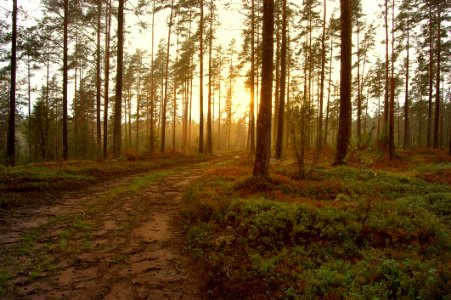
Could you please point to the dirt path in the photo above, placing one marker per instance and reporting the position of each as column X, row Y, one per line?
column 109, row 244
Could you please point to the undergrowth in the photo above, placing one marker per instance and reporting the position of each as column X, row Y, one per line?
column 341, row 233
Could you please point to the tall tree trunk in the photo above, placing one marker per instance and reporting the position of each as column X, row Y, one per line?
column 328, row 90
column 387, row 81
column 252, row 84
column 209, row 128
column 117, row 136
column 277, row 79
column 65, row 67
column 174, row 100
column 138, row 104
column 98, row 81
column 201, row 78
column 165, row 100
column 437, row 83
column 283, row 76
column 263, row 149
column 344, row 127
column 391, row 134
column 11, row 145
column 29, row 103
column 107, row 78
column 319, row 140
column 152, row 83
column 406, row 102
column 431, row 80
column 359, row 98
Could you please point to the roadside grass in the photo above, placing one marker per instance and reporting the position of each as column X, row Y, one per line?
column 341, row 233
column 35, row 256
column 24, row 185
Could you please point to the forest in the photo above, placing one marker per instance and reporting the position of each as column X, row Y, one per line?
column 228, row 149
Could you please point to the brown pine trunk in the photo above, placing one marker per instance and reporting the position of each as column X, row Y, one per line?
column 152, row 84
column 98, row 81
column 209, row 144
column 252, row 83
column 387, row 82
column 65, row 79
column 166, row 82
column 11, row 143
column 201, row 78
column 437, row 83
column 431, row 80
column 283, row 76
column 406, row 102
column 107, row 78
column 344, row 127
column 391, row 133
column 117, row 135
column 319, row 140
column 263, row 148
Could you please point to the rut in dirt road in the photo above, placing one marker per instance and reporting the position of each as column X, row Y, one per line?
column 129, row 248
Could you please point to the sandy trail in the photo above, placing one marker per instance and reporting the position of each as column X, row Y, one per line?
column 130, row 249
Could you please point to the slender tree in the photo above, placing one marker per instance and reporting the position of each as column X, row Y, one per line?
column 107, row 77
column 65, row 79
column 263, row 148
column 117, row 136
column 344, row 126
column 166, row 87
column 201, row 78
column 283, row 77
column 437, row 82
column 11, row 147
column 98, row 79
column 210, row 71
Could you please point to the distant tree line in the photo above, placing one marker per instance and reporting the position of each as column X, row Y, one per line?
column 96, row 99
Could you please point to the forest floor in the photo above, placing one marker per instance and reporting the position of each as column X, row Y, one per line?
column 197, row 227
column 121, row 238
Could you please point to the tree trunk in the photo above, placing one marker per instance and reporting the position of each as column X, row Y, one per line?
column 387, row 82
column 437, row 84
column 391, row 137
column 283, row 76
column 319, row 140
column 263, row 148
column 344, row 127
column 431, row 80
column 329, row 90
column 11, row 145
column 65, row 67
column 98, row 81
column 165, row 100
column 201, row 78
column 117, row 135
column 252, row 83
column 107, row 78
column 152, row 84
column 406, row 102
column 209, row 128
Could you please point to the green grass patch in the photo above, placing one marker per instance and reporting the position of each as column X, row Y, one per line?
column 342, row 233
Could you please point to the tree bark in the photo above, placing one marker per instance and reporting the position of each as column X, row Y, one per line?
column 65, row 79
column 98, row 81
column 437, row 83
column 117, row 136
column 406, row 102
column 283, row 76
column 263, row 148
column 252, row 84
column 11, row 142
column 201, row 78
column 210, row 49
column 165, row 100
column 344, row 127
column 107, row 78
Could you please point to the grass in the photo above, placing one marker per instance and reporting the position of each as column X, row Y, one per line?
column 341, row 233
column 24, row 185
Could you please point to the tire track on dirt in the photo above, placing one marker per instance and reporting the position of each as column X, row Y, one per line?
column 132, row 250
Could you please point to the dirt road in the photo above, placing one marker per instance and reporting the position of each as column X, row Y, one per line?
column 118, row 240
